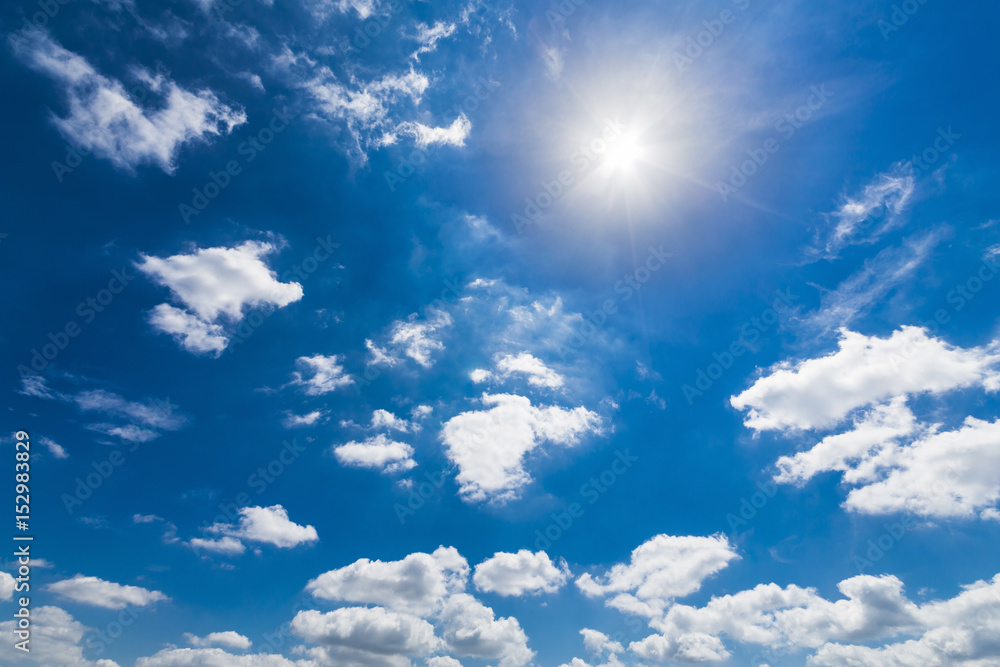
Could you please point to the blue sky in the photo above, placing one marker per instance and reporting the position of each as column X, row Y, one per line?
column 388, row 333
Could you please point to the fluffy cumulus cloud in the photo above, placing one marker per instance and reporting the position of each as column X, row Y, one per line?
column 226, row 546
column 367, row 630
column 417, row 584
column 267, row 525
column 376, row 453
column 471, row 629
column 100, row 593
column 320, row 374
column 520, row 573
column 489, row 446
column 661, row 569
column 841, row 633
column 103, row 118
column 216, row 286
column 894, row 461
column 419, row 339
column 228, row 639
column 819, row 393
column 523, row 365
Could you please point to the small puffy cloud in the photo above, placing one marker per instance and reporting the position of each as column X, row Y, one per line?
column 489, row 446
column 417, row 584
column 453, row 135
column 216, row 285
column 821, row 392
column 100, row 593
column 534, row 369
column 519, row 574
column 419, row 339
column 383, row 419
column 145, row 518
column 471, row 629
column 268, row 525
column 225, row 546
column 103, row 117
column 443, row 661
column 661, row 569
column 376, row 453
column 291, row 420
column 228, row 639
column 320, row 374
column 55, row 449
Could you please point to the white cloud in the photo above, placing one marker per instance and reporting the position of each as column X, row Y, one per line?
column 227, row 639
column 661, row 569
column 104, row 119
column 323, row 8
column 377, row 453
column 383, row 419
column 269, row 525
column 856, row 296
column 106, row 594
column 429, row 36
column 7, row 586
column 442, row 661
column 860, row 448
column 291, row 420
column 821, row 392
column 453, row 135
column 321, row 374
column 417, row 584
column 214, row 657
column 889, row 194
column 489, row 446
column 190, row 332
column 145, row 518
column 226, row 546
column 216, row 285
column 519, row 574
column 537, row 372
column 954, row 474
column 472, row 630
column 418, row 340
column 55, row 449
column 368, row 630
